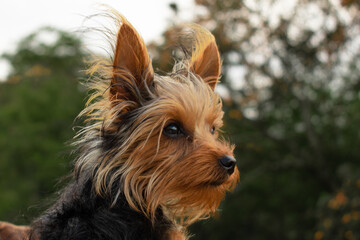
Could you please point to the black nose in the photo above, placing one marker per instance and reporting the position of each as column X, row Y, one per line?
column 228, row 163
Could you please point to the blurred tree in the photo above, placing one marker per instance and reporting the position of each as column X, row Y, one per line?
column 291, row 88
column 38, row 104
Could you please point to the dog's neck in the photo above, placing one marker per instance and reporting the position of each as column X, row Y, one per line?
column 81, row 214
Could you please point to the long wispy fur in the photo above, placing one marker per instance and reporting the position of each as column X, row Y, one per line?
column 131, row 179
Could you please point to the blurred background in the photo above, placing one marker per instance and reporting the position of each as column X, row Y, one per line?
column 291, row 93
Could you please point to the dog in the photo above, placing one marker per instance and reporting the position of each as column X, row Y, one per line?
column 10, row 231
column 150, row 158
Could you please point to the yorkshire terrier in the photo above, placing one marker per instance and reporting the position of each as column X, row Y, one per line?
column 149, row 158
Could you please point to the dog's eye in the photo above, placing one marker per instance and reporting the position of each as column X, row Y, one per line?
column 173, row 130
column 212, row 130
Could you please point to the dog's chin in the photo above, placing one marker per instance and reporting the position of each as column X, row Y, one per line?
column 225, row 180
column 216, row 182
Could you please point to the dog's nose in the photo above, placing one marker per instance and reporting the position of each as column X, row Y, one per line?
column 228, row 163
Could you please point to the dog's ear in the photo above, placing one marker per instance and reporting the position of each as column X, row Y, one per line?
column 205, row 59
column 132, row 69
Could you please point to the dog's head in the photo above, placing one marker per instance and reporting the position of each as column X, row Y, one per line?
column 155, row 139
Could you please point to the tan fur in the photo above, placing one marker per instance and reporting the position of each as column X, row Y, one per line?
column 131, row 105
column 10, row 231
column 131, row 60
column 205, row 58
column 154, row 171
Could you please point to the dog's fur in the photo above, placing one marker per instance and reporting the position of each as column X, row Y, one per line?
column 149, row 160
column 10, row 231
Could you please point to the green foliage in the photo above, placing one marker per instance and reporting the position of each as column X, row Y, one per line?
column 293, row 117
column 339, row 212
column 38, row 104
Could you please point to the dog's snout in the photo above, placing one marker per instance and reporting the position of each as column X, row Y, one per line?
column 228, row 163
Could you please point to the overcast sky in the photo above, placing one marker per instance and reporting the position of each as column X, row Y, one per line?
column 19, row 18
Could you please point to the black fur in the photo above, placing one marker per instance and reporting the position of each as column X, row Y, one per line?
column 80, row 214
